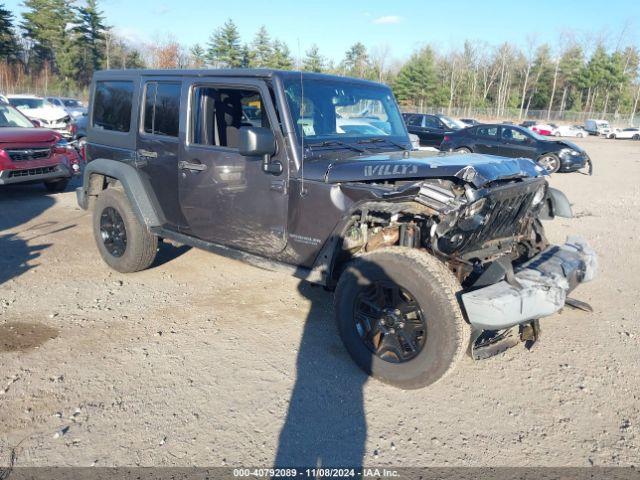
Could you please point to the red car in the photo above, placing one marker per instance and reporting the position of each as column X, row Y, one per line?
column 29, row 154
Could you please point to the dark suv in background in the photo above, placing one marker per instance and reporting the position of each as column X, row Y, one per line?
column 430, row 129
column 518, row 142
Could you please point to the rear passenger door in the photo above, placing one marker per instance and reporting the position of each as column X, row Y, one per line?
column 486, row 139
column 226, row 198
column 515, row 144
column 158, row 142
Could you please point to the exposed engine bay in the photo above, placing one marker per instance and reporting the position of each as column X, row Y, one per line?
column 467, row 228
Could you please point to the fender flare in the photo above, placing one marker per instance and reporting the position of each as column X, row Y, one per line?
column 556, row 204
column 135, row 185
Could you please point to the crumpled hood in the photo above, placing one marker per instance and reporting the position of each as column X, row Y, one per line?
column 48, row 113
column 567, row 143
column 473, row 168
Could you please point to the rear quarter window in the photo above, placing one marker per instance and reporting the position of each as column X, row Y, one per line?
column 112, row 105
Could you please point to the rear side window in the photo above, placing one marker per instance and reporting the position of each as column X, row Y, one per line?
column 162, row 109
column 414, row 120
column 487, row 131
column 112, row 105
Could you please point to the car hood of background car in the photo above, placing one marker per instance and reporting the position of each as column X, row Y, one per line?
column 473, row 168
column 26, row 135
column 48, row 114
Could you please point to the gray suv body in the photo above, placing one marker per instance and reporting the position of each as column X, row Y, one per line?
column 428, row 253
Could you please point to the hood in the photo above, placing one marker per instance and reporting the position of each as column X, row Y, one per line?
column 567, row 144
column 26, row 135
column 473, row 168
column 47, row 113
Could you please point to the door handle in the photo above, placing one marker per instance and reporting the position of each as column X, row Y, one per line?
column 197, row 167
column 147, row 153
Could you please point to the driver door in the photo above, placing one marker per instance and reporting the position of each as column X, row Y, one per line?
column 225, row 197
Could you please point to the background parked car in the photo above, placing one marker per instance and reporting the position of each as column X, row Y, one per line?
column 431, row 129
column 47, row 115
column 72, row 106
column 542, row 129
column 597, row 127
column 569, row 131
column 516, row 141
column 29, row 154
column 629, row 133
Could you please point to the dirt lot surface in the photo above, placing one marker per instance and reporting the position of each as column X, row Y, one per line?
column 203, row 360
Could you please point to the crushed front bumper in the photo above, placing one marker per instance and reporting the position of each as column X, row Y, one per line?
column 539, row 287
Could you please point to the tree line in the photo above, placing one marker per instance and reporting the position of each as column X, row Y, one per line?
column 56, row 45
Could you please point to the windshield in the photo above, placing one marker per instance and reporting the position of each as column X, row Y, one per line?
column 334, row 110
column 27, row 103
column 10, row 117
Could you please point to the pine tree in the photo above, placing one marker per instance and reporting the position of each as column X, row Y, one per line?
column 417, row 80
column 8, row 43
column 261, row 49
column 313, row 61
column 198, row 57
column 91, row 31
column 45, row 24
column 281, row 58
column 224, row 46
column 356, row 61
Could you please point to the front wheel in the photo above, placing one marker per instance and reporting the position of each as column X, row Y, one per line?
column 550, row 162
column 462, row 150
column 399, row 318
column 124, row 243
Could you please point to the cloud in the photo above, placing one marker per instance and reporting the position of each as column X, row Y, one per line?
column 387, row 20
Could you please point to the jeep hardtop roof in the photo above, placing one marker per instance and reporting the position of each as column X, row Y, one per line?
column 226, row 72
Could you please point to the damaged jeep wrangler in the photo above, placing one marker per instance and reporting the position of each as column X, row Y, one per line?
column 430, row 255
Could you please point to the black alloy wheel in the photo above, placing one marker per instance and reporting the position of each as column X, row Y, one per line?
column 390, row 322
column 113, row 232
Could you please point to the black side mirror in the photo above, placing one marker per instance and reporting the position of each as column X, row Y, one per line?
column 260, row 142
column 36, row 123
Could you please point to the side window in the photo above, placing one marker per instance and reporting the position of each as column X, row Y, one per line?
column 513, row 135
column 219, row 113
column 431, row 122
column 162, row 108
column 112, row 105
column 491, row 132
column 414, row 120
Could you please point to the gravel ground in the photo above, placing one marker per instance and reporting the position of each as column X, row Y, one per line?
column 203, row 360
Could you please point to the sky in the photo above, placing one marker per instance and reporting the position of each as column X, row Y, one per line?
column 402, row 26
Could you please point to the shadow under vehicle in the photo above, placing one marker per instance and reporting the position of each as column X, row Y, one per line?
column 426, row 252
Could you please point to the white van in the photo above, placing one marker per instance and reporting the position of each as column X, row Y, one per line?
column 597, row 127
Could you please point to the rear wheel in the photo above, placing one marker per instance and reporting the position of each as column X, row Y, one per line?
column 550, row 162
column 462, row 150
column 636, row 137
column 399, row 318
column 57, row 185
column 124, row 243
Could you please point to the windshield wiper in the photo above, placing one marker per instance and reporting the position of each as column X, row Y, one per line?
column 329, row 143
column 382, row 139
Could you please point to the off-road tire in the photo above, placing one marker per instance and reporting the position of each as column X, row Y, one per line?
column 556, row 164
column 141, row 246
column 434, row 287
column 57, row 186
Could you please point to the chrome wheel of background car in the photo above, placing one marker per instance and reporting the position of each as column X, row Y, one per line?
column 113, row 232
column 390, row 322
column 550, row 163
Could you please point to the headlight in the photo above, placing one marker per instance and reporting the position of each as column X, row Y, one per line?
column 568, row 152
column 537, row 198
column 473, row 209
